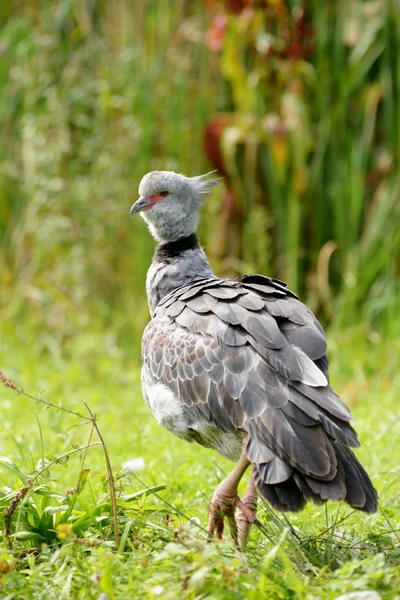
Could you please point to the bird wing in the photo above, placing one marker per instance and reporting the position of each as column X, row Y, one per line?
column 246, row 350
column 249, row 356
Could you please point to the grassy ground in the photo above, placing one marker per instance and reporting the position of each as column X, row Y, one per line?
column 319, row 553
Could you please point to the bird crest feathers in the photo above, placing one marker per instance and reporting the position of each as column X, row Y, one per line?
column 202, row 185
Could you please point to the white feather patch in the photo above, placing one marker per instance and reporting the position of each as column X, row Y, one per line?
column 311, row 374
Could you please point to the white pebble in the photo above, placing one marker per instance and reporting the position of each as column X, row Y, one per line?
column 157, row 590
column 367, row 595
column 134, row 464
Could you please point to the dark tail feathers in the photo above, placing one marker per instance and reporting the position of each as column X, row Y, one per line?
column 293, row 489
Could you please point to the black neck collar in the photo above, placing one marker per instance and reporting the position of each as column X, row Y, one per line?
column 168, row 250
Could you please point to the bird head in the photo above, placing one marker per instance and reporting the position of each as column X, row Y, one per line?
column 170, row 203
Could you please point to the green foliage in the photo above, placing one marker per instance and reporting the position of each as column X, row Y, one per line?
column 43, row 516
column 314, row 137
column 87, row 109
column 93, row 96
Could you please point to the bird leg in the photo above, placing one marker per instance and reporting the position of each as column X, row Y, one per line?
column 224, row 501
column 247, row 513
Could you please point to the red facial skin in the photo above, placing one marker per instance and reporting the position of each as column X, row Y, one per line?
column 153, row 200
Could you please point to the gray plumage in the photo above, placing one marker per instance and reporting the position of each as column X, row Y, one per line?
column 225, row 360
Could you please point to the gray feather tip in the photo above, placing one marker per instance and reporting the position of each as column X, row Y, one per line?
column 202, row 184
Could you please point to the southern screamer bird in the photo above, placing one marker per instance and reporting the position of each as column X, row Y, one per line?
column 240, row 366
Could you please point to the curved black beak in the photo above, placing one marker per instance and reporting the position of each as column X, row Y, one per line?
column 141, row 204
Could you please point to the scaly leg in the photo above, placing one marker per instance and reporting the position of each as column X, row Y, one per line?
column 247, row 513
column 225, row 499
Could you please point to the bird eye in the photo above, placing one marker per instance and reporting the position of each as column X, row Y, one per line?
column 163, row 194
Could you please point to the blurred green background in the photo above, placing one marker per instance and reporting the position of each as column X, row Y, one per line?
column 296, row 103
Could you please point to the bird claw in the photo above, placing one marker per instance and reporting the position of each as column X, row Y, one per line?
column 222, row 507
column 249, row 513
column 224, row 502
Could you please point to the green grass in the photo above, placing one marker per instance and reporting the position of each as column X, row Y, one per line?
column 319, row 553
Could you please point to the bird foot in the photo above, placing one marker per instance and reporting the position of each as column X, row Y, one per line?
column 223, row 505
column 226, row 499
column 247, row 514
